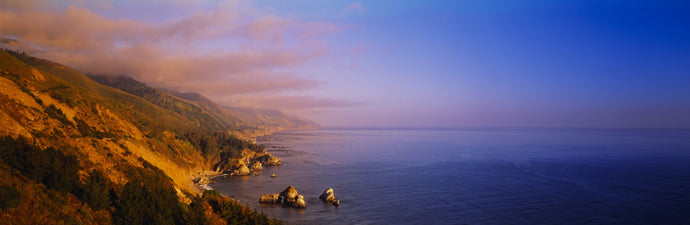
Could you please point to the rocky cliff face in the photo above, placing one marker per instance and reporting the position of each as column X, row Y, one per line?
column 238, row 166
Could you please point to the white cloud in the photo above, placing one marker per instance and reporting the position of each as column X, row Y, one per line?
column 233, row 51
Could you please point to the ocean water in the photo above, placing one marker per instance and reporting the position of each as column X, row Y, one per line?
column 481, row 176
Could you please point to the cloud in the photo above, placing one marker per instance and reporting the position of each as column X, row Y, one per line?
column 233, row 51
column 289, row 103
column 353, row 7
column 20, row 4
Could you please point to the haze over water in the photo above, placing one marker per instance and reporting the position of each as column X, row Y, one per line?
column 482, row 176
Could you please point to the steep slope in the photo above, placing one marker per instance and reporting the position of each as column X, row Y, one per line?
column 59, row 107
column 266, row 121
column 253, row 122
column 60, row 129
column 189, row 111
column 243, row 122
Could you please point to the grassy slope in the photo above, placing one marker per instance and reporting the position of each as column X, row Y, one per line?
column 191, row 112
column 253, row 122
column 243, row 122
column 133, row 127
column 105, row 128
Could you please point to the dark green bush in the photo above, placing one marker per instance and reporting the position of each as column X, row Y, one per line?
column 57, row 114
column 50, row 167
column 9, row 197
column 195, row 213
column 88, row 131
column 96, row 191
column 149, row 198
column 235, row 213
column 220, row 143
column 210, row 194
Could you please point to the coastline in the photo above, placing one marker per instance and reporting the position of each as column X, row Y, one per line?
column 201, row 178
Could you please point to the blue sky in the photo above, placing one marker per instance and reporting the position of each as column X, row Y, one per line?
column 538, row 63
column 495, row 63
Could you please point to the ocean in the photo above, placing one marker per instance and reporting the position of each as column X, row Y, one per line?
column 477, row 176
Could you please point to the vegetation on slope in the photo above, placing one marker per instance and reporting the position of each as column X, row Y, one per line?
column 98, row 155
column 205, row 113
column 148, row 198
column 188, row 110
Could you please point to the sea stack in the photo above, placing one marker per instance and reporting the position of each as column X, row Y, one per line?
column 329, row 196
column 270, row 198
column 288, row 197
column 300, row 203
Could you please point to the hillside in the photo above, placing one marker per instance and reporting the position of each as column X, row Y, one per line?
column 243, row 122
column 255, row 122
column 66, row 135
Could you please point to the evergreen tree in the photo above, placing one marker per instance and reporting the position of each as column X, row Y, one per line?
column 96, row 191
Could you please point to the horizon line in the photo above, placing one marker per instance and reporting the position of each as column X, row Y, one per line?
column 501, row 128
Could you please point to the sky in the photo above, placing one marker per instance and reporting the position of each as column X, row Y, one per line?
column 385, row 63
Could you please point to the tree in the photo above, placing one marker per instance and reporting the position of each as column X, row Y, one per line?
column 196, row 214
column 9, row 197
column 96, row 191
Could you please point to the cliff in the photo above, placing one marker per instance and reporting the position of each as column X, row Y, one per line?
column 136, row 136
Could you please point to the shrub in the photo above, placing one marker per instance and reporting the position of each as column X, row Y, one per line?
column 195, row 214
column 149, row 198
column 57, row 114
column 220, row 144
column 210, row 194
column 50, row 167
column 95, row 191
column 9, row 197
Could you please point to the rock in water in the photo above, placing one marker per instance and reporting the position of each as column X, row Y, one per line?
column 256, row 166
column 327, row 195
column 289, row 194
column 242, row 171
column 270, row 198
column 291, row 198
column 288, row 197
column 299, row 203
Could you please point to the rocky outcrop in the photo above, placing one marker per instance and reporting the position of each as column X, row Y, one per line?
column 202, row 181
column 256, row 166
column 268, row 159
column 243, row 170
column 255, row 160
column 270, row 198
column 288, row 197
column 300, row 203
column 328, row 196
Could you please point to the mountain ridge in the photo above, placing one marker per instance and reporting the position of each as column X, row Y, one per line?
column 243, row 122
